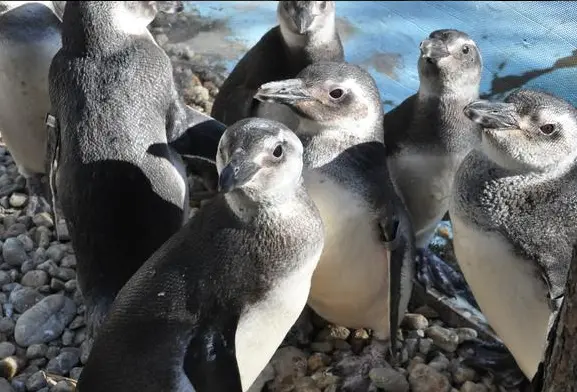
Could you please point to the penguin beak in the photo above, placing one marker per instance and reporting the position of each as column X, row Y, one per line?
column 434, row 49
column 492, row 115
column 303, row 20
column 236, row 173
column 284, row 92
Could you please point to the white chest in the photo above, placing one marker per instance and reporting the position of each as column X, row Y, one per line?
column 263, row 326
column 350, row 284
column 510, row 295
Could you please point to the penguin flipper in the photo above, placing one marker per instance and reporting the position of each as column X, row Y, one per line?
column 210, row 362
column 392, row 219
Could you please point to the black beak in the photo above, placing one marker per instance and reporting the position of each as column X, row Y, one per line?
column 284, row 92
column 492, row 115
column 303, row 20
column 434, row 49
column 238, row 172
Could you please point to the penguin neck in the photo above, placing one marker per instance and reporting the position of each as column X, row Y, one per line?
column 248, row 204
column 87, row 29
column 323, row 44
column 462, row 91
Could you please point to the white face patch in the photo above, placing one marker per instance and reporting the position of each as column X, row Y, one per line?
column 129, row 22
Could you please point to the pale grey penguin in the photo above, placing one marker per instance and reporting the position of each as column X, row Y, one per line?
column 29, row 39
column 306, row 34
column 364, row 276
column 219, row 296
column 427, row 136
column 514, row 215
column 113, row 94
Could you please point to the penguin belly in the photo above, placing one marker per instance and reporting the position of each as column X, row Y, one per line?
column 425, row 182
column 507, row 289
column 350, row 286
column 24, row 99
column 263, row 325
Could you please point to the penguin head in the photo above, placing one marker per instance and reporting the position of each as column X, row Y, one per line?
column 329, row 95
column 529, row 131
column 130, row 17
column 260, row 158
column 304, row 17
column 449, row 60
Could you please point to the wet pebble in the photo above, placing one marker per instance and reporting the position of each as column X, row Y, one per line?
column 64, row 362
column 13, row 252
column 45, row 321
column 423, row 378
column 389, row 379
column 35, row 278
column 443, row 338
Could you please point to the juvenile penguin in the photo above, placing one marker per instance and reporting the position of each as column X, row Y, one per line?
column 219, row 297
column 364, row 276
column 427, row 136
column 122, row 189
column 306, row 34
column 514, row 214
column 29, row 39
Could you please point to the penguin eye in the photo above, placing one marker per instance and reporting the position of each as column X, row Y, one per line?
column 323, row 5
column 336, row 93
column 465, row 49
column 547, row 129
column 277, row 153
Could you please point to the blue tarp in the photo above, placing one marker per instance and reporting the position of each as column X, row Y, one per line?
column 531, row 44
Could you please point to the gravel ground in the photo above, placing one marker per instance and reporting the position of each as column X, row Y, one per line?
column 42, row 325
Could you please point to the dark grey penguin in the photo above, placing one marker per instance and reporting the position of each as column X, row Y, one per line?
column 427, row 136
column 219, row 297
column 306, row 34
column 29, row 38
column 514, row 215
column 364, row 276
column 122, row 189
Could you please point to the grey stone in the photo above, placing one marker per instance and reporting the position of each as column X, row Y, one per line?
column 63, row 363
column 423, row 378
column 45, row 321
column 26, row 241
column 6, row 349
column 13, row 252
column 35, row 278
column 5, row 386
column 36, row 381
column 43, row 219
column 18, row 200
column 6, row 325
column 415, row 321
column 36, row 351
column 24, row 298
column 443, row 338
column 389, row 379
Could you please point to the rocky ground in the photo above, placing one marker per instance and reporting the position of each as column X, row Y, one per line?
column 42, row 326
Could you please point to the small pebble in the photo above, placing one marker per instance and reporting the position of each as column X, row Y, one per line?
column 18, row 200
column 443, row 338
column 36, row 351
column 322, row 347
column 415, row 321
column 43, row 219
column 36, row 381
column 317, row 361
column 423, row 378
column 34, row 278
column 466, row 334
column 472, row 387
column 389, row 379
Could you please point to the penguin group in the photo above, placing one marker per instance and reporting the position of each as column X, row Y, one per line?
column 323, row 200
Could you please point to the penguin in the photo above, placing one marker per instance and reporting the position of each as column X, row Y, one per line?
column 364, row 276
column 29, row 39
column 306, row 34
column 219, row 296
column 427, row 136
column 514, row 214
column 122, row 188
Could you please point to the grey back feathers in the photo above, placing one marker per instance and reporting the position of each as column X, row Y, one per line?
column 113, row 140
column 306, row 34
column 221, row 294
column 518, row 188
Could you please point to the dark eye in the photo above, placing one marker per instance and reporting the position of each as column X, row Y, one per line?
column 277, row 153
column 323, row 5
column 547, row 129
column 337, row 93
column 465, row 49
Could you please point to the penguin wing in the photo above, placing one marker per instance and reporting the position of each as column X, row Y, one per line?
column 261, row 64
column 397, row 122
column 391, row 216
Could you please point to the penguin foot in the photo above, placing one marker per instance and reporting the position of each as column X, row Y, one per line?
column 495, row 359
column 37, row 196
column 354, row 370
column 433, row 272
